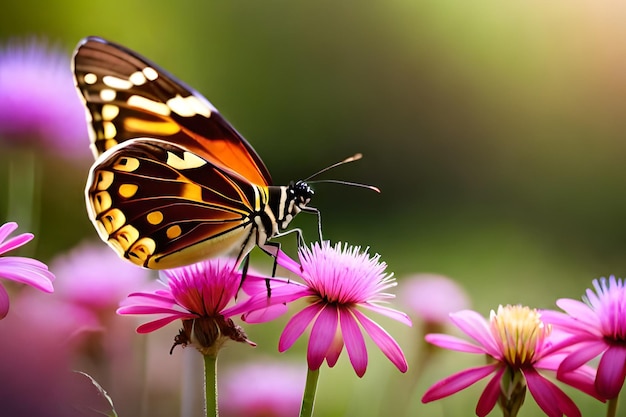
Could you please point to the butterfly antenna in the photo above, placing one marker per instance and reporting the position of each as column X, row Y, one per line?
column 352, row 158
column 350, row 183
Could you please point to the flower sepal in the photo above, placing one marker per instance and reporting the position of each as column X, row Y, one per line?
column 208, row 334
column 512, row 392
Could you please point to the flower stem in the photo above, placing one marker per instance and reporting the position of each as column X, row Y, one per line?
column 210, row 385
column 308, row 398
column 23, row 197
column 611, row 410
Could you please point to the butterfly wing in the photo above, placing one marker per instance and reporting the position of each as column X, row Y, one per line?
column 128, row 97
column 161, row 206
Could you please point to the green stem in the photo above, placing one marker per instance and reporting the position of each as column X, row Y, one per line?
column 23, row 197
column 308, row 399
column 611, row 410
column 210, row 385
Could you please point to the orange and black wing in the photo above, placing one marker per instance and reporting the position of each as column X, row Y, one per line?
column 161, row 206
column 129, row 97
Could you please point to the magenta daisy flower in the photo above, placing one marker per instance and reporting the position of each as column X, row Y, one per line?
column 597, row 327
column 433, row 297
column 518, row 345
column 198, row 295
column 271, row 389
column 19, row 269
column 96, row 288
column 339, row 282
column 38, row 100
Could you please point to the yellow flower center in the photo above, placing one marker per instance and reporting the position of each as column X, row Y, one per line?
column 519, row 332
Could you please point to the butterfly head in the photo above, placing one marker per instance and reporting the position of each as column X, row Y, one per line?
column 301, row 193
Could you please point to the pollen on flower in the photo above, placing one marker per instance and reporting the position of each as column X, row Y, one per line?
column 520, row 332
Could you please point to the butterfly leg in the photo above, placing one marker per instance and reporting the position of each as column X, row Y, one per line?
column 313, row 210
column 245, row 263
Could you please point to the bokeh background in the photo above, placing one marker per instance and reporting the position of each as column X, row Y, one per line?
column 495, row 131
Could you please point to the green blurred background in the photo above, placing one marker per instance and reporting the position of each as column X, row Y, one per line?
column 495, row 130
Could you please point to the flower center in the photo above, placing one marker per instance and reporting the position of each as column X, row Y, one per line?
column 519, row 332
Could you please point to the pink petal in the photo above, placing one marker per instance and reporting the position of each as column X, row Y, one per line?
column 4, row 301
column 322, row 335
column 332, row 356
column 297, row 325
column 262, row 316
column 454, row 343
column 611, row 372
column 490, row 395
column 389, row 312
column 475, row 326
column 549, row 397
column 156, row 324
column 15, row 242
column 260, row 301
column 27, row 271
column 583, row 379
column 144, row 309
column 457, row 382
column 6, row 229
column 353, row 338
column 584, row 353
column 579, row 318
column 289, row 264
column 383, row 340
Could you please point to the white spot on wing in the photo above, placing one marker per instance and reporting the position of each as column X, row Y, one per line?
column 149, row 105
column 107, row 94
column 137, row 78
column 90, row 78
column 109, row 130
column 110, row 111
column 150, row 73
column 188, row 106
column 117, row 83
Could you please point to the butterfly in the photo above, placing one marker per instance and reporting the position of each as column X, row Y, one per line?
column 173, row 182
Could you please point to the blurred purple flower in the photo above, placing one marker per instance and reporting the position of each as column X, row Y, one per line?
column 261, row 389
column 596, row 327
column 517, row 344
column 339, row 281
column 93, row 276
column 198, row 295
column 24, row 270
column 433, row 297
column 38, row 101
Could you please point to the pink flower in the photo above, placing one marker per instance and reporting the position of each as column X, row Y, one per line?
column 96, row 288
column 271, row 389
column 38, row 100
column 339, row 282
column 433, row 297
column 597, row 327
column 518, row 345
column 24, row 270
column 198, row 295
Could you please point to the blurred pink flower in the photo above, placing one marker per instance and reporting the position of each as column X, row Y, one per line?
column 93, row 276
column 432, row 297
column 518, row 345
column 36, row 361
column 38, row 100
column 339, row 282
column 596, row 327
column 272, row 389
column 24, row 270
column 198, row 295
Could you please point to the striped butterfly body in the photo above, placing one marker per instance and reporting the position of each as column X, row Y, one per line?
column 173, row 182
